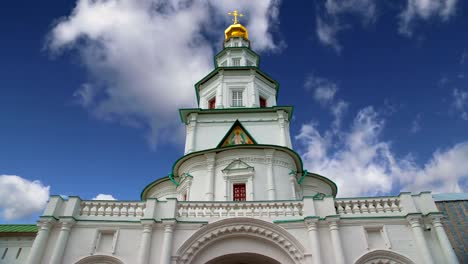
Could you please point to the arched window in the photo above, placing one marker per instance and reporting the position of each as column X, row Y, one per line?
column 383, row 257
column 99, row 259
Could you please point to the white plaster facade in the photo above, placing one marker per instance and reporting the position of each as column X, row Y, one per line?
column 290, row 216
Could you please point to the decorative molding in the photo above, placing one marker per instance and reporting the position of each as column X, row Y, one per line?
column 240, row 227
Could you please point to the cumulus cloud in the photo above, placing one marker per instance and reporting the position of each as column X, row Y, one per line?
column 460, row 103
column 361, row 163
column 425, row 10
column 143, row 57
column 102, row 196
column 335, row 16
column 20, row 198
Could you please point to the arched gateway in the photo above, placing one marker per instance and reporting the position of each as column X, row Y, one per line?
column 238, row 238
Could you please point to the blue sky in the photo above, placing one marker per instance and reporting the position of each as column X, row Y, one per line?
column 90, row 90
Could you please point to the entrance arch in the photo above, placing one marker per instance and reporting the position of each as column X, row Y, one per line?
column 243, row 258
column 241, row 236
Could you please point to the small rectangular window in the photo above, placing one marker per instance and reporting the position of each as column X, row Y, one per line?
column 263, row 102
column 4, row 253
column 236, row 61
column 236, row 44
column 239, row 192
column 19, row 252
column 236, row 98
column 212, row 103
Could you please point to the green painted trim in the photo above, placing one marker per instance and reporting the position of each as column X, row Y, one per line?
column 304, row 173
column 224, row 50
column 236, row 123
column 218, row 69
column 185, row 112
column 48, row 217
column 171, row 177
column 107, row 220
column 256, row 201
column 295, row 156
column 288, row 221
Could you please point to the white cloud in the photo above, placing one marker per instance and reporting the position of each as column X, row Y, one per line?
column 102, row 196
column 460, row 103
column 361, row 163
column 330, row 19
column 144, row 57
column 324, row 89
column 20, row 197
column 416, row 124
column 335, row 16
column 425, row 10
column 325, row 93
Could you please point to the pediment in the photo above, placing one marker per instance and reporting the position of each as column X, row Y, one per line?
column 237, row 135
column 237, row 165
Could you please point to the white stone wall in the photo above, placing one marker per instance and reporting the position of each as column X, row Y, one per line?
column 389, row 233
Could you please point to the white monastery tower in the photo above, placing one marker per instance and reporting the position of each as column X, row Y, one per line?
column 239, row 194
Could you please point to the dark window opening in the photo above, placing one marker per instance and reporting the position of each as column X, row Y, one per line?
column 212, row 103
column 239, row 192
column 263, row 102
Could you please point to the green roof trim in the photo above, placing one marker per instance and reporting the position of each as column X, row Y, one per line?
column 236, row 48
column 18, row 229
column 185, row 112
column 201, row 152
column 218, row 69
column 236, row 123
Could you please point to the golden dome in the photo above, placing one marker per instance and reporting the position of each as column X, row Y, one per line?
column 236, row 29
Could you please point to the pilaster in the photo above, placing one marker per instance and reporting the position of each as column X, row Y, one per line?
column 210, row 167
column 418, row 233
column 61, row 243
column 336, row 239
column 449, row 253
column 314, row 239
column 145, row 242
column 271, row 188
column 166, row 251
column 37, row 250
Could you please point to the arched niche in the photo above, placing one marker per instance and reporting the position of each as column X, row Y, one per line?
column 247, row 258
column 241, row 236
column 99, row 259
column 383, row 257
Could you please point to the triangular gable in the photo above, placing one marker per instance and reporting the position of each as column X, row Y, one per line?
column 237, row 135
column 237, row 165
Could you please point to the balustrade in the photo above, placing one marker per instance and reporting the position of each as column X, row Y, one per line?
column 387, row 205
column 112, row 209
column 239, row 209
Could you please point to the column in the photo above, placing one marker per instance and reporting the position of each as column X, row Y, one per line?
column 167, row 242
column 449, row 253
column 336, row 241
column 60, row 244
column 210, row 167
column 37, row 250
column 271, row 190
column 282, row 125
column 145, row 243
column 421, row 243
column 220, row 90
column 191, row 127
column 292, row 183
column 312, row 229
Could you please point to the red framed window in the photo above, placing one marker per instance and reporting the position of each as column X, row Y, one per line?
column 262, row 102
column 185, row 196
column 212, row 103
column 239, row 192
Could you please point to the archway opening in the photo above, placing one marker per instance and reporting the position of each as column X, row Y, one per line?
column 243, row 258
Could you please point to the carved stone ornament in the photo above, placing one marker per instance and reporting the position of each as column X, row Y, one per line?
column 240, row 227
column 101, row 259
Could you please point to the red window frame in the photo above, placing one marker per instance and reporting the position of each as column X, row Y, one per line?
column 239, row 192
column 212, row 103
column 263, row 102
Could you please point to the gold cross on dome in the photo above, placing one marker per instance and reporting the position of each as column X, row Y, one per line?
column 236, row 15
